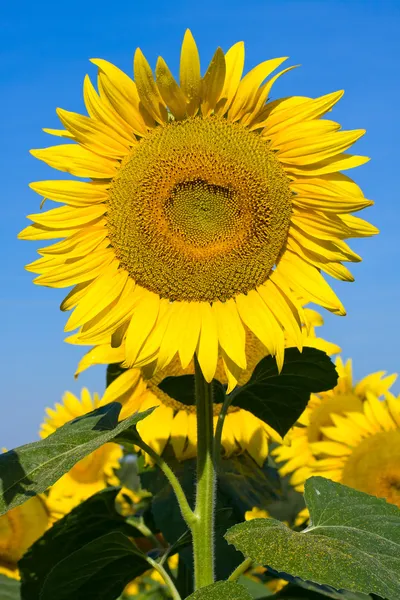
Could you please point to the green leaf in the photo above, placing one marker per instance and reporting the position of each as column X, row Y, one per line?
column 9, row 588
column 85, row 523
column 280, row 398
column 222, row 590
column 31, row 469
column 353, row 541
column 100, row 569
column 182, row 388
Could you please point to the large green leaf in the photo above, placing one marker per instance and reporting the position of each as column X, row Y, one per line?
column 182, row 388
column 100, row 569
column 85, row 523
column 222, row 590
column 31, row 469
column 280, row 398
column 9, row 588
column 353, row 541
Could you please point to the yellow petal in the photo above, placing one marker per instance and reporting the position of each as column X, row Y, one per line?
column 100, row 355
column 246, row 94
column 318, row 148
column 69, row 217
column 104, row 112
column 234, row 63
column 94, row 135
column 121, row 93
column 309, row 282
column 147, row 89
column 190, row 78
column 297, row 113
column 253, row 118
column 213, row 82
column 78, row 161
column 73, row 193
column 256, row 315
column 231, row 333
column 329, row 165
column 170, row 91
column 79, row 271
column 141, row 324
column 283, row 309
column 191, row 325
column 101, row 294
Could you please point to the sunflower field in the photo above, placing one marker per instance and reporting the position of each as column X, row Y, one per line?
column 233, row 454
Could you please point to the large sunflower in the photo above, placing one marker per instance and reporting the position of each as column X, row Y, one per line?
column 362, row 450
column 322, row 410
column 203, row 209
column 91, row 474
column 19, row 529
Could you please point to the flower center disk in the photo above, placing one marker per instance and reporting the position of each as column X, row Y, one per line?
column 199, row 210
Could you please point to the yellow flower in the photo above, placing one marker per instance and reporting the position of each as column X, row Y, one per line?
column 91, row 474
column 362, row 449
column 296, row 451
column 19, row 529
column 204, row 210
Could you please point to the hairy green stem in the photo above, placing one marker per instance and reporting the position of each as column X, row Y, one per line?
column 187, row 513
column 242, row 568
column 203, row 528
column 218, row 430
column 168, row 581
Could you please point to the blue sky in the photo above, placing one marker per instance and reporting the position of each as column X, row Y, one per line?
column 44, row 52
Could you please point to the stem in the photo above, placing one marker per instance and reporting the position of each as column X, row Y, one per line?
column 187, row 513
column 203, row 528
column 242, row 568
column 142, row 527
column 174, row 592
column 219, row 428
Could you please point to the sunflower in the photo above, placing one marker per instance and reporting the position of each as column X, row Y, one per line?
column 362, row 450
column 322, row 410
column 202, row 209
column 91, row 474
column 19, row 529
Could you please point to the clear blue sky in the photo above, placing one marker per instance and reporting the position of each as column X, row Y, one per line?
column 45, row 47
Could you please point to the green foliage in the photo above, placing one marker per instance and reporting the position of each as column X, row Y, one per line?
column 9, row 588
column 86, row 523
column 31, row 469
column 182, row 389
column 280, row 398
column 222, row 590
column 100, row 569
column 353, row 541
column 276, row 398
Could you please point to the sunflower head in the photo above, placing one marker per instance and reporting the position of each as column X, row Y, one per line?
column 323, row 409
column 362, row 450
column 203, row 210
column 19, row 529
column 92, row 473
